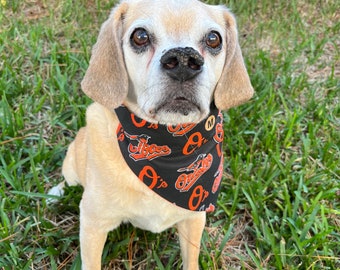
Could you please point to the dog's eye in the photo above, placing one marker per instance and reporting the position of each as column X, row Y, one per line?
column 213, row 40
column 140, row 37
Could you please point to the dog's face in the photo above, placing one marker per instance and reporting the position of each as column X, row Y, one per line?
column 168, row 60
column 174, row 59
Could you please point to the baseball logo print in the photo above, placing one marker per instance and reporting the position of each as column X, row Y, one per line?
column 181, row 163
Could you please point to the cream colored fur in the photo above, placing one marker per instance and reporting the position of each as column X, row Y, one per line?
column 118, row 75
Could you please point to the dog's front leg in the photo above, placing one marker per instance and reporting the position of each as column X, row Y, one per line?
column 92, row 239
column 92, row 243
column 190, row 234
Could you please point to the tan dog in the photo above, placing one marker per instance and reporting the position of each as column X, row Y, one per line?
column 166, row 61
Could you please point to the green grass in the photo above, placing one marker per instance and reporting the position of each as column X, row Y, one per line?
column 279, row 207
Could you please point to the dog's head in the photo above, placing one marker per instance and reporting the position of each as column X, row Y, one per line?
column 168, row 60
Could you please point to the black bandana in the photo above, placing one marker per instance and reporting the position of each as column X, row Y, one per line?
column 183, row 163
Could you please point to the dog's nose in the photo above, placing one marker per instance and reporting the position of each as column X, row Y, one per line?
column 182, row 64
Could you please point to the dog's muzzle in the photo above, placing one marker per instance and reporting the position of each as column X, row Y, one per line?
column 182, row 64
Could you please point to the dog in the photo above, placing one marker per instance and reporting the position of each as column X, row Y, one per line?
column 164, row 65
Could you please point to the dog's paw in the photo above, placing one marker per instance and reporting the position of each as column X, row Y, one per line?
column 56, row 191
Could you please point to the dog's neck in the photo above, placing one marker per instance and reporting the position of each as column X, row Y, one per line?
column 183, row 163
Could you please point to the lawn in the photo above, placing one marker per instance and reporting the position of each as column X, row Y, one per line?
column 279, row 206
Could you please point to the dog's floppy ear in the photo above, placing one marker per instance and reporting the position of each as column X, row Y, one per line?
column 106, row 79
column 234, row 86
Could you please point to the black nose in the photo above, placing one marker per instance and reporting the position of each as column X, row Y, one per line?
column 182, row 64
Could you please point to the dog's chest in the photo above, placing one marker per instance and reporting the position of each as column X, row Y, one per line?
column 183, row 163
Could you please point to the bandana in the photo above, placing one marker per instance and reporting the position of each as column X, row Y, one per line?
column 181, row 163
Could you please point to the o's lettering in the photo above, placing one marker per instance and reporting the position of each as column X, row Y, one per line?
column 119, row 128
column 154, row 126
column 219, row 150
column 218, row 137
column 211, row 208
column 194, row 142
column 149, row 174
column 120, row 133
column 138, row 124
column 196, row 197
column 173, row 129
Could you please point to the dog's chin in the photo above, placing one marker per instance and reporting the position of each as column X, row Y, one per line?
column 178, row 111
column 180, row 106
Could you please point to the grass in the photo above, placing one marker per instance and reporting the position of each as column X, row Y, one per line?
column 279, row 207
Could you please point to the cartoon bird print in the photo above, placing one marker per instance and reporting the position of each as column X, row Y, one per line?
column 140, row 138
column 193, row 166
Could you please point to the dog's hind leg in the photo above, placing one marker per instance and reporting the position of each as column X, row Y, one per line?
column 73, row 166
column 190, row 234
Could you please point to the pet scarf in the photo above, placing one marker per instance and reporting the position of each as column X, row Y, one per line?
column 181, row 163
